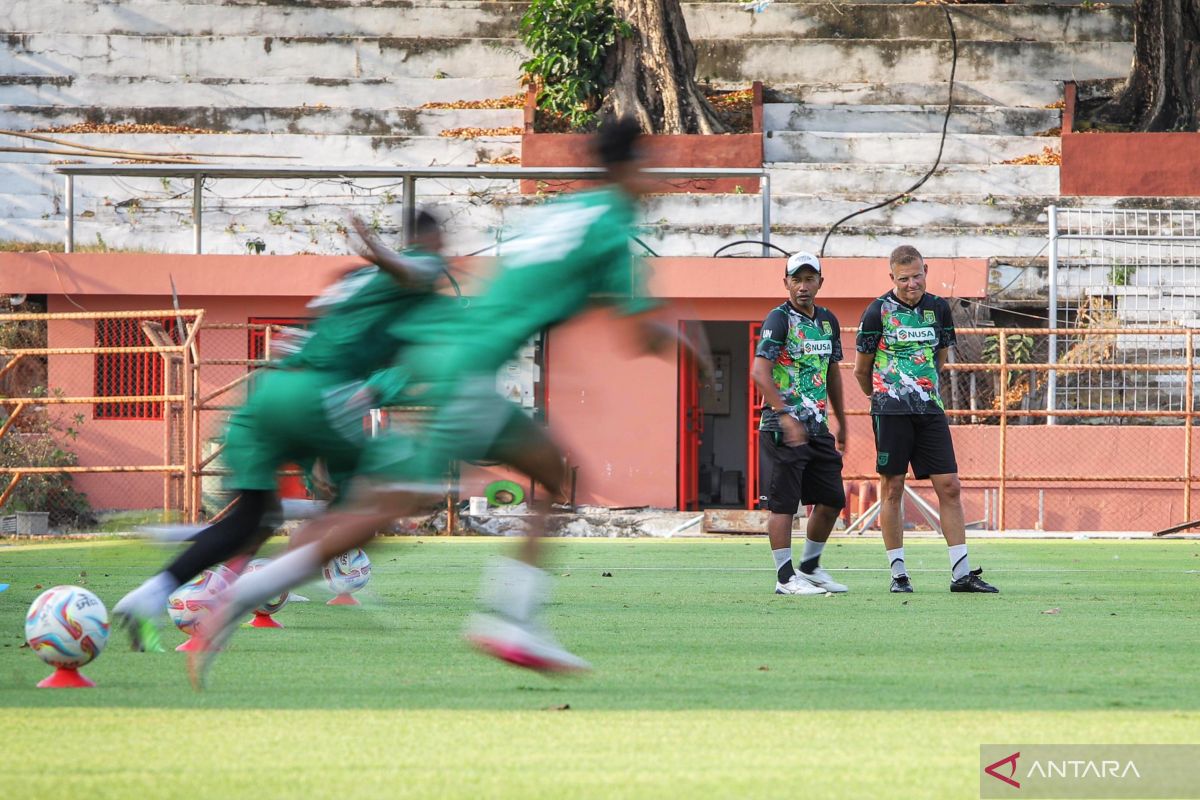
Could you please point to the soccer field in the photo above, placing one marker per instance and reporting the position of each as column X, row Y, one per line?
column 706, row 684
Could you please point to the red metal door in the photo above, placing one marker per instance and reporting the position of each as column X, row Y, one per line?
column 752, row 415
column 691, row 425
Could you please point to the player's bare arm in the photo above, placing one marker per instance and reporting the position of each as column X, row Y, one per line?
column 794, row 434
column 833, row 386
column 369, row 247
column 863, row 362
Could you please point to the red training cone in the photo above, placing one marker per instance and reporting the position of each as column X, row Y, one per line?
column 191, row 644
column 344, row 599
column 263, row 621
column 66, row 678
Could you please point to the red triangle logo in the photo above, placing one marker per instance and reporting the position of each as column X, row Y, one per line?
column 990, row 769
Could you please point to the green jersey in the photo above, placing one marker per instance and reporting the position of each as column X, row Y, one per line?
column 905, row 340
column 351, row 336
column 574, row 252
column 801, row 349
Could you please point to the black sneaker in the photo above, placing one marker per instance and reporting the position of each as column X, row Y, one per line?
column 971, row 582
column 901, row 584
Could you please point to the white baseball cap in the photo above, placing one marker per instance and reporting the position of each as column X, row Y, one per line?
column 802, row 259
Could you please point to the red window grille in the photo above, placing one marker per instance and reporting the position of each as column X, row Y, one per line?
column 128, row 374
column 256, row 341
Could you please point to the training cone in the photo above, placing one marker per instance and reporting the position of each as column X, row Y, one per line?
column 66, row 678
column 191, row 644
column 263, row 621
column 344, row 599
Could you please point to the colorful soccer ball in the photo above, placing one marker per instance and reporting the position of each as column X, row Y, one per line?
column 348, row 573
column 192, row 602
column 275, row 603
column 67, row 626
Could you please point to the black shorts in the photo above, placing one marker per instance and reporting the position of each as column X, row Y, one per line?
column 922, row 440
column 810, row 474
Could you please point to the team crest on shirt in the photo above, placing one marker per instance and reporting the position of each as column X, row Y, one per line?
column 930, row 317
column 826, row 327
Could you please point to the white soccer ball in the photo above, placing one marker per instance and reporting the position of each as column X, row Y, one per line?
column 348, row 573
column 275, row 603
column 67, row 626
column 192, row 602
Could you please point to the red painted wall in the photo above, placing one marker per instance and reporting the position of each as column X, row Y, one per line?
column 1127, row 164
column 614, row 411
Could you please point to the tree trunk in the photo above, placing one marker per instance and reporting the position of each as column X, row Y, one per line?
column 1162, row 92
column 654, row 71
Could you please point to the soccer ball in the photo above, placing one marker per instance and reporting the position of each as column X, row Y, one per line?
column 275, row 603
column 348, row 573
column 192, row 602
column 67, row 626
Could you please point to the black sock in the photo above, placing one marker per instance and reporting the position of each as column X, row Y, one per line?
column 223, row 539
column 810, row 566
column 786, row 572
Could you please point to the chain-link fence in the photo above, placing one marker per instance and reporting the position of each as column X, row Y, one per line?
column 93, row 418
column 1122, row 268
column 1113, row 465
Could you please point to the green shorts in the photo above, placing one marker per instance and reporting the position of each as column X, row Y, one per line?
column 472, row 422
column 294, row 416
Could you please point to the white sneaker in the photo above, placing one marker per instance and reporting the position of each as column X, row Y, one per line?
column 797, row 585
column 523, row 645
column 823, row 581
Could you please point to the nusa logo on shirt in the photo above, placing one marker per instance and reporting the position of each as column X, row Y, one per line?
column 818, row 347
column 916, row 335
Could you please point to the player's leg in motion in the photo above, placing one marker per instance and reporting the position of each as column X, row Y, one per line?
column 240, row 531
column 509, row 623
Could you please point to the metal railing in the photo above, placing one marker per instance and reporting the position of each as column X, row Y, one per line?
column 1121, row 268
column 408, row 176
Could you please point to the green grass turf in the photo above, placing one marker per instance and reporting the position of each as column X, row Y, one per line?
column 705, row 682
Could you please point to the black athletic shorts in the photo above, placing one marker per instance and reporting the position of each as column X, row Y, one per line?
column 809, row 474
column 922, row 440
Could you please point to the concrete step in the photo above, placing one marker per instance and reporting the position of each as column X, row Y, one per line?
column 955, row 179
column 242, row 119
column 820, row 20
column 237, row 56
column 1031, row 93
column 1041, row 23
column 248, row 92
column 434, row 18
column 898, row 148
column 331, row 150
column 909, row 118
column 785, row 60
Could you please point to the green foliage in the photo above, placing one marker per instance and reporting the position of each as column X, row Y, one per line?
column 39, row 440
column 1121, row 274
column 1020, row 351
column 569, row 41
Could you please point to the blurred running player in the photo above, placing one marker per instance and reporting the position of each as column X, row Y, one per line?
column 575, row 253
column 298, row 412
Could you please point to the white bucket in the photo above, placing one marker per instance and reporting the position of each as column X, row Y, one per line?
column 477, row 506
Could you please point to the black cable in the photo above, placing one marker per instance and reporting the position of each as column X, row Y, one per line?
column 760, row 242
column 941, row 145
column 646, row 247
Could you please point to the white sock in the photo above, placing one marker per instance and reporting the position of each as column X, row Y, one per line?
column 812, row 556
column 149, row 599
column 290, row 569
column 959, row 566
column 896, row 560
column 783, row 564
column 514, row 589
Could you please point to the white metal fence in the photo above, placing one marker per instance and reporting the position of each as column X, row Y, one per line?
column 1121, row 268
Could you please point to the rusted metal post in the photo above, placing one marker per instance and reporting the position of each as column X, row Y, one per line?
column 1189, row 406
column 12, row 484
column 1000, row 500
column 8, row 423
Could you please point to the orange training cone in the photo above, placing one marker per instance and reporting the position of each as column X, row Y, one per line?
column 262, row 620
column 344, row 599
column 66, row 678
